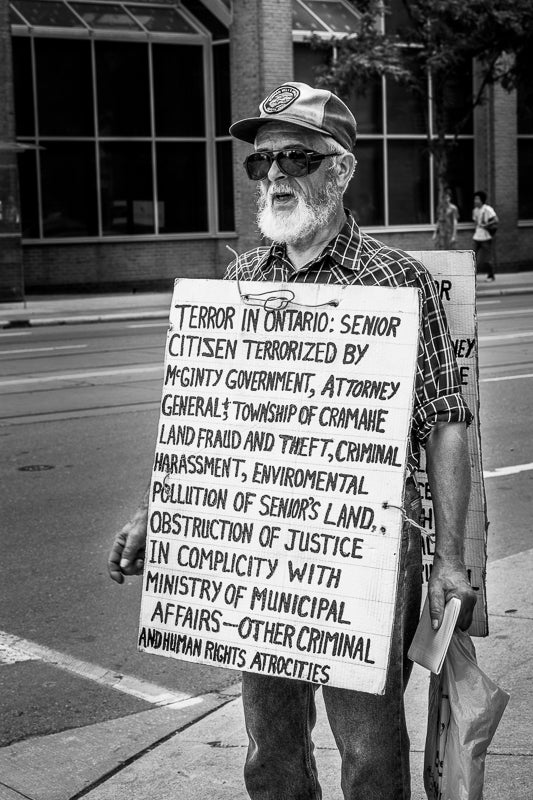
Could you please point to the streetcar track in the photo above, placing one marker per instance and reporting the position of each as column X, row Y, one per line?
column 78, row 413
column 36, row 355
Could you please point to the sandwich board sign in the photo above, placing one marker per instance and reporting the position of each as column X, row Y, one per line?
column 455, row 275
column 275, row 509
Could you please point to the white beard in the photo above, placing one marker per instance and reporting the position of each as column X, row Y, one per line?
column 303, row 222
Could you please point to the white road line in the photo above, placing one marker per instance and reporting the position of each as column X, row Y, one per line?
column 44, row 349
column 513, row 470
column 10, row 654
column 511, row 313
column 13, row 649
column 497, row 336
column 160, row 324
column 507, row 378
column 15, row 333
column 76, row 376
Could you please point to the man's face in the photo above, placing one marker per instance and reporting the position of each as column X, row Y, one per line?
column 477, row 201
column 293, row 209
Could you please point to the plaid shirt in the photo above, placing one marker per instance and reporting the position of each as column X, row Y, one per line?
column 354, row 258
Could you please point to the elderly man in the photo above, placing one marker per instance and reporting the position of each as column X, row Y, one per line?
column 302, row 164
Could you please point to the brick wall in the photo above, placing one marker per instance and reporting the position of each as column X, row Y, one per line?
column 496, row 172
column 115, row 265
column 11, row 276
column 513, row 244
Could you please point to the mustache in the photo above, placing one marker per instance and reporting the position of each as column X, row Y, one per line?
column 280, row 187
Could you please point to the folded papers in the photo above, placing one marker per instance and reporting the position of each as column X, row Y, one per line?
column 429, row 647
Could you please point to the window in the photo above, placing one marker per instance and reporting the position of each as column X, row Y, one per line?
column 323, row 18
column 461, row 176
column 408, row 170
column 395, row 181
column 397, row 18
column 122, row 89
column 365, row 194
column 122, row 139
column 68, row 181
column 181, row 175
column 405, row 111
column 525, row 169
column 225, row 185
column 224, row 147
column 215, row 21
column 65, row 100
column 29, row 213
column 24, row 98
column 178, row 91
column 126, row 187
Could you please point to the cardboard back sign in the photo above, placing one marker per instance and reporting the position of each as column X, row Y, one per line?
column 454, row 272
column 275, row 510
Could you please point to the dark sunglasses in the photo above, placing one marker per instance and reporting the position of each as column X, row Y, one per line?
column 294, row 163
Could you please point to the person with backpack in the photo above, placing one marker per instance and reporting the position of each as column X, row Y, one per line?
column 486, row 221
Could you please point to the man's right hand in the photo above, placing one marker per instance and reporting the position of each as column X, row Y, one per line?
column 127, row 553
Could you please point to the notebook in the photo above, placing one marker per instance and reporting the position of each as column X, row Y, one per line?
column 429, row 647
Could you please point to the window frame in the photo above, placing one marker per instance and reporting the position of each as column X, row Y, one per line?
column 201, row 38
column 325, row 31
column 382, row 138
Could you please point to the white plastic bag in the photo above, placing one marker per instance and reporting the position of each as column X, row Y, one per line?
column 465, row 708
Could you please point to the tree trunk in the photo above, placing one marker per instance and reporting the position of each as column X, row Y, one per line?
column 443, row 238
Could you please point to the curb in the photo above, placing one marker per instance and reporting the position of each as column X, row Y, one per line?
column 74, row 762
column 35, row 322
column 503, row 292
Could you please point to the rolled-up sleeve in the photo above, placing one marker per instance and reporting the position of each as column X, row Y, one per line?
column 438, row 396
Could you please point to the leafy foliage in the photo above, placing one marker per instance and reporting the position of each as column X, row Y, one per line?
column 440, row 41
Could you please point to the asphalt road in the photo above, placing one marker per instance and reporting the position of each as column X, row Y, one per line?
column 506, row 375
column 79, row 418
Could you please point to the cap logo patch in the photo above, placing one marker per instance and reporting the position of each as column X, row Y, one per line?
column 280, row 99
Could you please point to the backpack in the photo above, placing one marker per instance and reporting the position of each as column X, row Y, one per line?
column 492, row 226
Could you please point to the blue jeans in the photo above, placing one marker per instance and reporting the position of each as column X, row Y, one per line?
column 369, row 730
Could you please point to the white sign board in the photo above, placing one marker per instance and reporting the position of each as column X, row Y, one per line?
column 275, row 507
column 454, row 272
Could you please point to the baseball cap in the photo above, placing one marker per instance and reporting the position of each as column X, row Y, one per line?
column 315, row 109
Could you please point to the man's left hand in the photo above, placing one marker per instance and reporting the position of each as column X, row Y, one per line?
column 449, row 579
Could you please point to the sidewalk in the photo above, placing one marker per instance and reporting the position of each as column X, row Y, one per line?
column 77, row 309
column 197, row 752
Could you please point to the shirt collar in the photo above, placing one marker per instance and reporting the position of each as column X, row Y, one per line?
column 344, row 249
column 346, row 246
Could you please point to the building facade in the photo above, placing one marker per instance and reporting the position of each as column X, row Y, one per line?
column 117, row 170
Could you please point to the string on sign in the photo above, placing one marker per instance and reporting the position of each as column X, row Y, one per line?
column 274, row 299
column 386, row 504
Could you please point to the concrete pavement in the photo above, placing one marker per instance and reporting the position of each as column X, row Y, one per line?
column 196, row 751
column 73, row 309
column 78, row 309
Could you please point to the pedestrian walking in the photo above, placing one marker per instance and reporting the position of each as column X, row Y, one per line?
column 445, row 235
column 486, row 221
